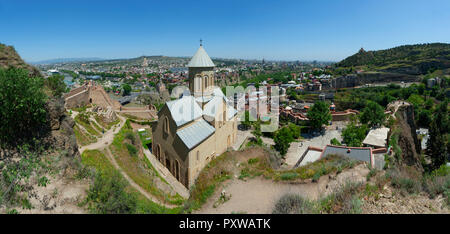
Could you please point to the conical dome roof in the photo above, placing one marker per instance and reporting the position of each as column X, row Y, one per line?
column 201, row 59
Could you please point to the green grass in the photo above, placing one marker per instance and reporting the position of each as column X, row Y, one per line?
column 289, row 176
column 106, row 125
column 96, row 159
column 346, row 200
column 215, row 172
column 82, row 138
column 323, row 166
column 143, row 136
column 86, row 126
column 137, row 166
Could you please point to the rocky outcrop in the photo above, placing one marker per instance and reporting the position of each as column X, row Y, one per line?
column 10, row 58
column 61, row 135
column 407, row 136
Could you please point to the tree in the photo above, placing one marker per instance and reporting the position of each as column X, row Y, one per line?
column 246, row 124
column 437, row 144
column 22, row 105
column 56, row 84
column 318, row 115
column 354, row 135
column 335, row 141
column 295, row 130
column 372, row 115
column 283, row 139
column 126, row 89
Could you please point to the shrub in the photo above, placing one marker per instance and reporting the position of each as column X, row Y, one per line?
column 108, row 195
column 371, row 173
column 131, row 136
column 253, row 160
column 56, row 84
column 335, row 141
column 316, row 176
column 289, row 176
column 344, row 200
column 131, row 149
column 293, row 204
column 22, row 106
column 403, row 182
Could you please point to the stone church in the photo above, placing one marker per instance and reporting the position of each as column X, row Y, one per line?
column 197, row 127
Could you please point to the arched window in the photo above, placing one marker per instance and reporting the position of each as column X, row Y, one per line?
column 166, row 125
column 224, row 117
column 198, row 155
column 198, row 84
column 158, row 152
column 177, row 170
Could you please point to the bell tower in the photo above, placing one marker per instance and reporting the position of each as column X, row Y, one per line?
column 201, row 75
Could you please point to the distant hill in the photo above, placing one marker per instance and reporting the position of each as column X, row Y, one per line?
column 10, row 58
column 408, row 59
column 67, row 60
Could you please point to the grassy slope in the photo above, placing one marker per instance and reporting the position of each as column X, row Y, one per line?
column 97, row 160
column 138, row 167
column 402, row 56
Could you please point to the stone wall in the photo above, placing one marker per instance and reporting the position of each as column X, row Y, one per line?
column 354, row 80
column 78, row 100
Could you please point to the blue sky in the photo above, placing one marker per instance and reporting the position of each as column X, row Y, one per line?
column 249, row 29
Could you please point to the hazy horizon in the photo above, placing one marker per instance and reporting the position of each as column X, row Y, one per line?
column 252, row 30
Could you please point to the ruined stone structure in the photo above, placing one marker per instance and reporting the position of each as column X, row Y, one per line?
column 91, row 93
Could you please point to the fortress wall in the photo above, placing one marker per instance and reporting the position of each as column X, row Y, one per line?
column 141, row 115
column 342, row 117
column 75, row 91
column 78, row 100
column 99, row 99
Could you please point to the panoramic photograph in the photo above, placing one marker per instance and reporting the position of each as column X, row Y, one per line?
column 237, row 108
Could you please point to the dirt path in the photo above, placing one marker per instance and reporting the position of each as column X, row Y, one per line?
column 259, row 195
column 132, row 183
column 104, row 142
column 106, row 139
column 255, row 196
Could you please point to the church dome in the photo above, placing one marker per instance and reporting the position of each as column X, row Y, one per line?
column 201, row 59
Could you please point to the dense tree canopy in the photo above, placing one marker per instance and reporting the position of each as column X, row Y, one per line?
column 373, row 114
column 437, row 144
column 353, row 135
column 56, row 84
column 22, row 105
column 126, row 89
column 283, row 139
column 284, row 136
column 319, row 115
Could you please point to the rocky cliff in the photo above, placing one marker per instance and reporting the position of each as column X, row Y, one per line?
column 57, row 132
column 10, row 58
column 404, row 132
column 61, row 135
